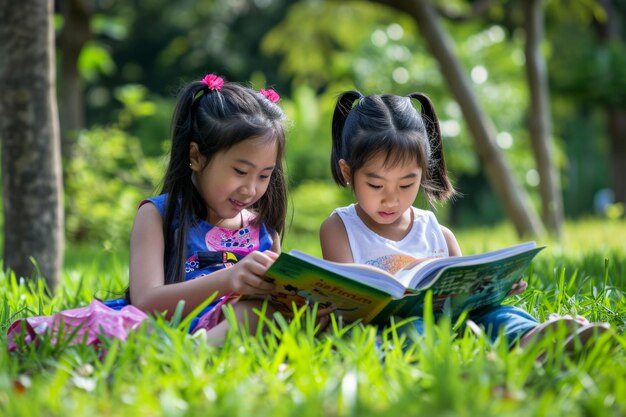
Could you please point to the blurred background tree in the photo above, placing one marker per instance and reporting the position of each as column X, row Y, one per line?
column 32, row 193
column 120, row 65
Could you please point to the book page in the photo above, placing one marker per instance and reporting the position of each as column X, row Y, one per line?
column 466, row 285
column 420, row 275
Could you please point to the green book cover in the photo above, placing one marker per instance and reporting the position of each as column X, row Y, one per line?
column 461, row 287
column 300, row 282
column 371, row 294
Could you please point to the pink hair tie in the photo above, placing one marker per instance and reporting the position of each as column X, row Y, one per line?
column 214, row 82
column 270, row 94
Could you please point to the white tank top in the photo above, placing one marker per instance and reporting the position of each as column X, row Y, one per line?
column 424, row 240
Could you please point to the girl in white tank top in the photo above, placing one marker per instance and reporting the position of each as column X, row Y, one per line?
column 424, row 240
column 387, row 151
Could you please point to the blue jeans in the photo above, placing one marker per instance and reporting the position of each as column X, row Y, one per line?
column 504, row 320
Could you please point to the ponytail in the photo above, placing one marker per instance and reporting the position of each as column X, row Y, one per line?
column 344, row 105
column 182, row 198
column 442, row 188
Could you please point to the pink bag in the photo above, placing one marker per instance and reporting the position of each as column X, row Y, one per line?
column 88, row 323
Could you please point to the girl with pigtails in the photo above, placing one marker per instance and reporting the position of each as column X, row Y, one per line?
column 213, row 230
column 386, row 150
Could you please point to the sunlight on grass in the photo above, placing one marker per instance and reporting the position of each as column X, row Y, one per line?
column 580, row 236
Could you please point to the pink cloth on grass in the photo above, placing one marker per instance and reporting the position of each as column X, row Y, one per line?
column 92, row 321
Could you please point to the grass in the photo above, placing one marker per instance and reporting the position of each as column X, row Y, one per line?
column 162, row 371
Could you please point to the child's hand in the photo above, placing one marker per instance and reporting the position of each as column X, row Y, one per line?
column 322, row 317
column 247, row 274
column 518, row 288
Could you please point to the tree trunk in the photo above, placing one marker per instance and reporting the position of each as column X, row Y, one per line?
column 539, row 118
column 31, row 166
column 610, row 30
column 75, row 34
column 617, row 140
column 514, row 198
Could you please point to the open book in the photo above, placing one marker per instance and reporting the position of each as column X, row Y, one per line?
column 368, row 293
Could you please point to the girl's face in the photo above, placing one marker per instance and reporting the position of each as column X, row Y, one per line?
column 234, row 179
column 385, row 193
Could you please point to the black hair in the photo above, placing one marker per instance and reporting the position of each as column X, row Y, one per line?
column 390, row 125
column 217, row 119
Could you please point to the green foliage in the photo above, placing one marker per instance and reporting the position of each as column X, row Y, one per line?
column 313, row 202
column 108, row 175
column 94, row 61
column 595, row 71
column 585, row 81
column 162, row 371
column 308, row 135
column 325, row 35
column 192, row 38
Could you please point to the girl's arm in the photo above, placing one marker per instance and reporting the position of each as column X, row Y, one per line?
column 453, row 246
column 334, row 240
column 148, row 291
column 276, row 243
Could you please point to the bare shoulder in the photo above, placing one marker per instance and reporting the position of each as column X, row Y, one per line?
column 334, row 240
column 147, row 233
column 147, row 217
column 332, row 228
column 147, row 245
column 453, row 245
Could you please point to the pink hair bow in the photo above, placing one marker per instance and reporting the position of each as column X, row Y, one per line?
column 214, row 82
column 270, row 94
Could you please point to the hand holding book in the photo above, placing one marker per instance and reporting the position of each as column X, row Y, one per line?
column 364, row 292
column 518, row 287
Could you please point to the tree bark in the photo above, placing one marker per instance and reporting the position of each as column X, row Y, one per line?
column 610, row 30
column 539, row 118
column 73, row 37
column 513, row 197
column 31, row 166
column 617, row 140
